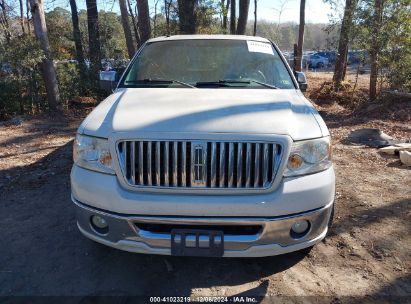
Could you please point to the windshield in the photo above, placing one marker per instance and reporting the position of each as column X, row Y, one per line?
column 208, row 63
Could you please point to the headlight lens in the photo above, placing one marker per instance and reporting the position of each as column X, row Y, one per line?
column 92, row 153
column 309, row 156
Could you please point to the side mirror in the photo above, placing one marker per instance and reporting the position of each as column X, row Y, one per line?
column 108, row 80
column 302, row 81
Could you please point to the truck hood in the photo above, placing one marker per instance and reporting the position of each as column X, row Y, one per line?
column 249, row 111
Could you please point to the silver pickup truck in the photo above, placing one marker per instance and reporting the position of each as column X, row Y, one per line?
column 207, row 147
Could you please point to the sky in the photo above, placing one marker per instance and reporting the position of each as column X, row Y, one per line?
column 316, row 11
column 270, row 10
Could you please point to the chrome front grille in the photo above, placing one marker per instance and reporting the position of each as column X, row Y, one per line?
column 199, row 164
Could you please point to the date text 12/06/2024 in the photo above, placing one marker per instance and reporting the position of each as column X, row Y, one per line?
column 204, row 299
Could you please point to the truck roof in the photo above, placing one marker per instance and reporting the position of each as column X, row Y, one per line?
column 201, row 37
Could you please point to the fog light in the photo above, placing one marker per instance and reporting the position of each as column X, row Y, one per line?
column 99, row 224
column 300, row 229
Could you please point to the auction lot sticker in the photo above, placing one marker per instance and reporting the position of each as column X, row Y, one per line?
column 259, row 47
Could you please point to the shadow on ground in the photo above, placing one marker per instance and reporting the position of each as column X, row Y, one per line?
column 45, row 254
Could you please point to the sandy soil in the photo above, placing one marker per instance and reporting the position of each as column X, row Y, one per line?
column 366, row 256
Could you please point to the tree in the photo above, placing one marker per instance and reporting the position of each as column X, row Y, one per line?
column 143, row 20
column 77, row 41
column 345, row 34
column 383, row 29
column 232, row 17
column 299, row 59
column 187, row 16
column 48, row 70
column 167, row 8
column 375, row 46
column 225, row 8
column 4, row 20
column 394, row 59
column 134, row 21
column 155, row 18
column 27, row 16
column 255, row 18
column 244, row 5
column 22, row 16
column 94, row 39
column 280, row 10
column 126, row 27
column 60, row 33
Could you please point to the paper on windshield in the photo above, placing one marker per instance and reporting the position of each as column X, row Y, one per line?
column 259, row 47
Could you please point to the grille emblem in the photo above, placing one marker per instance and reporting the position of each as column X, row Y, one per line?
column 198, row 161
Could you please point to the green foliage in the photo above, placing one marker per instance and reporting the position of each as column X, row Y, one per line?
column 393, row 40
column 10, row 99
column 207, row 22
column 21, row 53
column 60, row 34
column 396, row 53
column 398, row 67
column 161, row 26
column 69, row 82
column 112, row 40
column 22, row 89
column 19, row 60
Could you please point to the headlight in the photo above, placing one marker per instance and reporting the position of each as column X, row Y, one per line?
column 92, row 153
column 309, row 156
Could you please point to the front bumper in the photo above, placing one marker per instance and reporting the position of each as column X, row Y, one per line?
column 293, row 195
column 273, row 238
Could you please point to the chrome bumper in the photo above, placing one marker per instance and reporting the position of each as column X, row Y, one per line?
column 272, row 239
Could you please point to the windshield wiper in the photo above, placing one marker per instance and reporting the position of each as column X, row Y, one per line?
column 227, row 82
column 264, row 84
column 159, row 81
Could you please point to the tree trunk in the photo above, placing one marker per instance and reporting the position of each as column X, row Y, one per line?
column 126, row 27
column 135, row 27
column 244, row 5
column 232, row 17
column 255, row 18
column 225, row 13
column 187, row 17
column 155, row 19
column 167, row 5
column 94, row 40
column 143, row 20
column 4, row 22
column 48, row 70
column 345, row 33
column 299, row 59
column 77, row 42
column 27, row 16
column 375, row 48
column 23, row 30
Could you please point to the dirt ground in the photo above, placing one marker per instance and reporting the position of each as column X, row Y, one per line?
column 366, row 256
